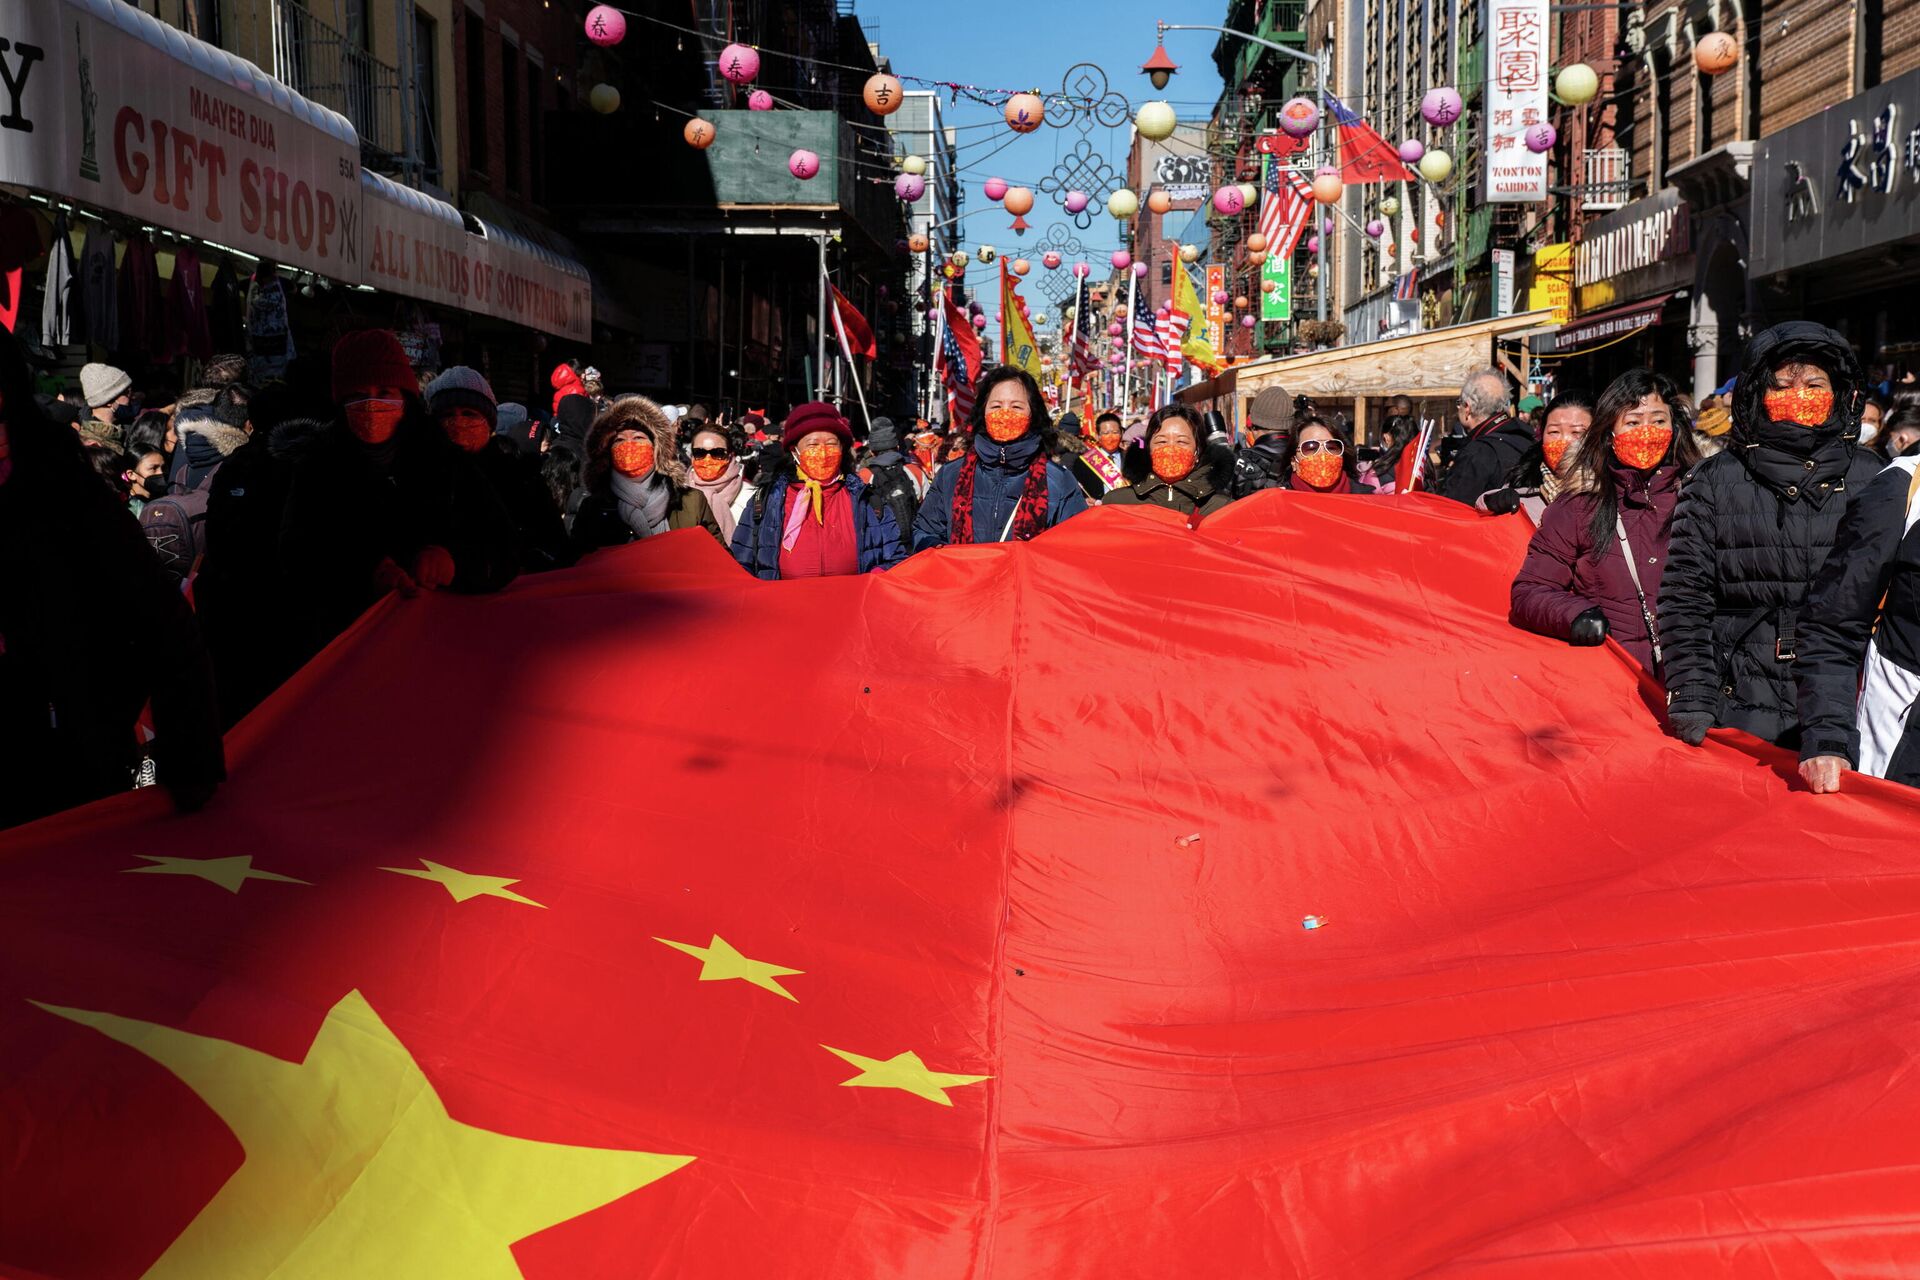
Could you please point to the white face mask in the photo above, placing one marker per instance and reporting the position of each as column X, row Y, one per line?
column 1868, row 431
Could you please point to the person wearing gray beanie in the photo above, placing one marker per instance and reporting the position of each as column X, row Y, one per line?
column 883, row 437
column 104, row 388
column 462, row 402
column 511, row 425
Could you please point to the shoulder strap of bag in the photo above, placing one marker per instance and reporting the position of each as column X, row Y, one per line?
column 1913, row 488
column 1653, row 624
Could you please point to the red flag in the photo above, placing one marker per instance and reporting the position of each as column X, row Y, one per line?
column 1410, row 475
column 859, row 332
column 1364, row 155
column 949, row 961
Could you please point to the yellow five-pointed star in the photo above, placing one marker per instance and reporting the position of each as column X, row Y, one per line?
column 464, row 884
column 228, row 873
column 903, row 1071
column 353, row 1166
column 719, row 960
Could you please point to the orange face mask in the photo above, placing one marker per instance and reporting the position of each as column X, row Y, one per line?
column 923, row 450
column 1642, row 447
column 468, row 431
column 710, row 468
column 1319, row 470
column 633, row 458
column 1803, row 406
column 374, row 421
column 819, row 462
column 1555, row 451
column 1173, row 460
column 1006, row 423
column 1110, row 440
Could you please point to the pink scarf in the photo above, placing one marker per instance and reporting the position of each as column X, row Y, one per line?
column 721, row 495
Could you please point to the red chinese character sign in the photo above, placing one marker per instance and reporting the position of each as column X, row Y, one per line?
column 1516, row 100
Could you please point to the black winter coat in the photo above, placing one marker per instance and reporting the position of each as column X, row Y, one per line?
column 516, row 480
column 1490, row 452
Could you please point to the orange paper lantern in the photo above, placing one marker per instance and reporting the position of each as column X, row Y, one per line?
column 1256, row 256
column 1715, row 52
column 1025, row 112
column 1256, row 242
column 698, row 133
column 882, row 94
column 1017, row 201
column 1159, row 202
column 917, row 242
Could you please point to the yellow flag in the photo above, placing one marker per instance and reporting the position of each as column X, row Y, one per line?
column 1186, row 300
column 1021, row 348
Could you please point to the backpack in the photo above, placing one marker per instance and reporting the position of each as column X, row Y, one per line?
column 893, row 487
column 176, row 530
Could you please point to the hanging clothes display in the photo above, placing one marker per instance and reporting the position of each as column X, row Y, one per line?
column 59, row 292
column 99, row 290
column 143, row 329
column 269, row 338
column 226, row 320
column 186, row 310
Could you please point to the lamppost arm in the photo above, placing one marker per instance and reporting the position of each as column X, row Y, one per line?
column 1229, row 31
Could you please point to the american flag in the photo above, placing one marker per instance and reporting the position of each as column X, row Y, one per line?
column 1084, row 360
column 1169, row 333
column 1406, row 288
column 1286, row 205
column 1146, row 338
column 958, row 360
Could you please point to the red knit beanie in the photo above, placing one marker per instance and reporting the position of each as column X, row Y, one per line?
column 371, row 358
column 815, row 415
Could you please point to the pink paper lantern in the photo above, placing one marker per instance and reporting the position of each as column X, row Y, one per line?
column 1139, row 270
column 803, row 164
column 1541, row 138
column 1121, row 259
column 1440, row 106
column 1246, row 322
column 1050, row 260
column 1219, row 297
column 1376, row 228
column 909, row 186
column 1326, row 226
column 1313, row 244
column 1077, row 201
column 1412, row 149
column 739, row 63
column 996, row 189
column 606, row 25
column 1114, row 330
column 1081, row 270
column 759, row 100
column 980, row 322
column 1228, row 200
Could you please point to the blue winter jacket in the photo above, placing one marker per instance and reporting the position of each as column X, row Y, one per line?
column 756, row 539
column 997, row 485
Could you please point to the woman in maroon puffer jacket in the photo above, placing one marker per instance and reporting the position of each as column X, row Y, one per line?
column 1576, row 584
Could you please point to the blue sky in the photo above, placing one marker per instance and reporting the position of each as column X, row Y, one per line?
column 1024, row 44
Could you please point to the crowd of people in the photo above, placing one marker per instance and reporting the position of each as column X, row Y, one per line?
column 1751, row 555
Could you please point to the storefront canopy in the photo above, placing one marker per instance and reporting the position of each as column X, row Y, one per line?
column 1613, row 322
column 1415, row 365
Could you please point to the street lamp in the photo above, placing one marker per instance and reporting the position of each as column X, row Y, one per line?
column 1159, row 68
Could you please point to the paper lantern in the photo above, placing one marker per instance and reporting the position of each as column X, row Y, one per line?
column 1228, row 200
column 1156, row 121
column 1268, row 286
column 1376, row 228
column 917, row 242
column 1411, row 150
column 739, row 63
column 979, row 322
column 1077, row 201
column 1390, row 206
column 1081, row 270
column 986, row 253
column 1242, row 302
column 1327, row 185
column 1436, row 166
column 959, row 259
column 1249, row 194
column 604, row 98
column 1715, row 52
column 1255, row 257
column 1050, row 260
column 1540, row 138
column 803, row 164
column 1440, row 106
column 759, row 100
column 995, row 189
column 1018, row 200
column 973, row 308
column 1025, row 112
column 1326, row 226
column 1299, row 117
column 1219, row 297
column 606, row 25
column 909, row 186
column 1121, row 259
column 1246, row 322
column 882, row 94
column 1123, row 203
column 1160, row 202
column 698, row 133
column 1021, row 266
column 1313, row 244
column 1577, row 85
column 914, row 164
column 1139, row 270
column 1256, row 242
column 1189, row 253
column 1114, row 330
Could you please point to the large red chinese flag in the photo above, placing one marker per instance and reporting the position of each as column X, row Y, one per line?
column 650, row 920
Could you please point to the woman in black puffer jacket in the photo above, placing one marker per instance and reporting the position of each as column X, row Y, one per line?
column 1753, row 527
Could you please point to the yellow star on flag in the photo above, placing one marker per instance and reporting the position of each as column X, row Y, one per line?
column 464, row 884
column 903, row 1071
column 228, row 873
column 353, row 1166
column 719, row 961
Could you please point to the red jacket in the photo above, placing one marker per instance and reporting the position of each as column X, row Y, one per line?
column 566, row 383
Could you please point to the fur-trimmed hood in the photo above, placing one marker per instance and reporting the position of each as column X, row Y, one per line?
column 633, row 413
column 298, row 438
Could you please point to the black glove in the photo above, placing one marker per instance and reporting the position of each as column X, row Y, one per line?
column 1690, row 726
column 1504, row 502
column 1589, row 629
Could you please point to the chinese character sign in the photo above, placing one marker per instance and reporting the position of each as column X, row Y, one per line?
column 1277, row 303
column 1516, row 99
column 1216, row 312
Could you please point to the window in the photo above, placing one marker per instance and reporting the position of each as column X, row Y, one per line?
column 426, row 95
column 476, row 93
column 510, row 113
column 1869, row 28
column 536, row 133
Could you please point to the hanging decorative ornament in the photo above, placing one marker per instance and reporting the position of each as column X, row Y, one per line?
column 959, row 259
column 974, row 308
column 1219, row 297
column 1411, row 150
column 739, row 63
column 803, row 164
column 1413, row 235
column 1077, row 201
column 1268, row 286
column 1017, row 201
column 1440, row 106
column 1249, row 195
column 1242, row 302
column 1025, row 112
column 913, row 164
column 1229, row 201
column 1299, row 117
column 606, row 25
column 995, row 189
column 986, row 253
column 1436, row 166
column 1139, row 270
column 1050, row 260
column 1189, row 253
column 1156, row 121
column 698, row 133
column 759, row 100
column 1326, row 225
column 1256, row 242
column 1327, row 184
column 1081, row 271
column 1715, row 52
column 882, row 94
column 1376, row 228
column 1021, row 266
column 1313, row 269
column 1246, row 322
column 909, row 186
column 1159, row 201
column 1390, row 206
column 979, row 322
column 1313, row 244
column 604, row 98
column 1577, row 85
column 917, row 242
column 1256, row 257
column 1114, row 330
column 1122, row 203
column 1020, row 225
column 1540, row 138
column 1121, row 259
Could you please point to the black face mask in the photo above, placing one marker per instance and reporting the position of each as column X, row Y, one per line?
column 155, row 487
column 124, row 415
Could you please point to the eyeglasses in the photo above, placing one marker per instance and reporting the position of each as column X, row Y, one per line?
column 721, row 452
column 1315, row 446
